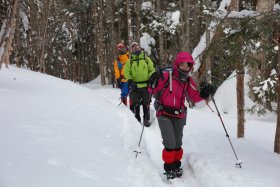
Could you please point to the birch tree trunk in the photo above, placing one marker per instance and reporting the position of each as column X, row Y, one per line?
column 8, row 35
column 277, row 134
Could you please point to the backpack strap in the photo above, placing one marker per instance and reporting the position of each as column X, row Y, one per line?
column 159, row 99
column 120, row 66
column 166, row 84
column 131, row 61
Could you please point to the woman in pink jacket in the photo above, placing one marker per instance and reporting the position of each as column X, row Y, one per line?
column 171, row 110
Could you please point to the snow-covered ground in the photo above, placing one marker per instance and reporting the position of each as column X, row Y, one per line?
column 55, row 133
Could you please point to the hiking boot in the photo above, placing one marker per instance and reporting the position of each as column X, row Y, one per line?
column 179, row 172
column 170, row 174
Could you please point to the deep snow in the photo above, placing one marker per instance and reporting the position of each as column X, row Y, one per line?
column 55, row 133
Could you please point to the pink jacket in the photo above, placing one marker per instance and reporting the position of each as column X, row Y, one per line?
column 180, row 90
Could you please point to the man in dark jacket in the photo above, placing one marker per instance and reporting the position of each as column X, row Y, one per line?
column 137, row 71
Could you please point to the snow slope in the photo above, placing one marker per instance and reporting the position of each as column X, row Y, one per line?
column 55, row 133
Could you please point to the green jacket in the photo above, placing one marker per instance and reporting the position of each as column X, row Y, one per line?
column 139, row 69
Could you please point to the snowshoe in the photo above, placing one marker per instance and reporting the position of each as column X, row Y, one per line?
column 124, row 100
column 171, row 174
column 179, row 172
column 147, row 123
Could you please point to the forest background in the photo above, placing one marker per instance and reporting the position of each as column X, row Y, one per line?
column 76, row 40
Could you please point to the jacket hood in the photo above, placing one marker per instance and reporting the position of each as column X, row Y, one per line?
column 135, row 57
column 123, row 58
column 182, row 57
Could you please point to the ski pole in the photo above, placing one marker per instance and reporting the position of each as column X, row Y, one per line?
column 238, row 163
column 138, row 150
column 120, row 103
column 209, row 107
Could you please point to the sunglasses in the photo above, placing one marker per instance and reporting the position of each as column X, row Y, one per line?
column 189, row 64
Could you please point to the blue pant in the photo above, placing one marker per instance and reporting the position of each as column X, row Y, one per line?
column 124, row 89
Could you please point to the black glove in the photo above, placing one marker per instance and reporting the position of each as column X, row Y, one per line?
column 119, row 82
column 206, row 90
column 153, row 80
column 131, row 85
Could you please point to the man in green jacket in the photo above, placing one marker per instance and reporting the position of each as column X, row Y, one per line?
column 137, row 72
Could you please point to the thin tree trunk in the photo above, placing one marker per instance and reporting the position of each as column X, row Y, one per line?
column 240, row 100
column 208, row 64
column 42, row 63
column 162, row 60
column 119, row 23
column 182, row 38
column 100, row 39
column 138, row 19
column 187, row 26
column 234, row 6
column 197, row 24
column 112, row 47
column 129, row 30
column 277, row 134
